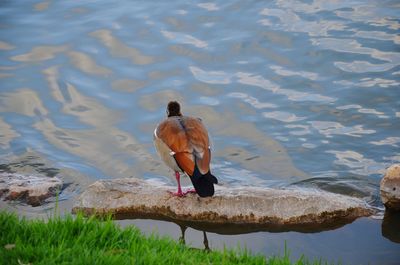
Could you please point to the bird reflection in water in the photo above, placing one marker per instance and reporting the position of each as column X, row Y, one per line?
column 182, row 237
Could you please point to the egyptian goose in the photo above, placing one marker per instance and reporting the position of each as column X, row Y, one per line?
column 182, row 143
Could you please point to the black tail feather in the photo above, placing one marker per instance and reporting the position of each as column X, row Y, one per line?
column 211, row 178
column 203, row 184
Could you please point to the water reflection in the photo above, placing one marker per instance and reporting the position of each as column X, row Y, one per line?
column 351, row 240
column 357, row 163
column 353, row 46
column 282, row 116
column 183, row 241
column 329, row 128
column 391, row 226
column 23, row 101
column 272, row 157
column 128, row 85
column 370, row 82
column 286, row 72
column 40, row 53
column 149, row 57
column 293, row 95
column 119, row 49
column 210, row 77
column 6, row 46
column 291, row 91
column 238, row 229
column 209, row 6
column 42, row 6
column 254, row 102
column 7, row 134
column 290, row 21
column 370, row 15
column 378, row 35
column 184, row 38
column 392, row 141
column 84, row 143
column 86, row 64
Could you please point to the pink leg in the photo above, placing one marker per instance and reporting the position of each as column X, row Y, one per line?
column 179, row 193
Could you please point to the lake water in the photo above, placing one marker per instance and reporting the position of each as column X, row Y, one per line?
column 294, row 93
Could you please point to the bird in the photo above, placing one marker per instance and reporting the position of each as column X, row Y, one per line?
column 182, row 142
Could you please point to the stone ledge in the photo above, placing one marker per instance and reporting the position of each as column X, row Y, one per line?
column 248, row 208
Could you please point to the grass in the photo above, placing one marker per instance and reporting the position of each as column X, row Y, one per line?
column 79, row 240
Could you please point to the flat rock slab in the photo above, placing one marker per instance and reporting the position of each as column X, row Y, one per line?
column 28, row 188
column 230, row 210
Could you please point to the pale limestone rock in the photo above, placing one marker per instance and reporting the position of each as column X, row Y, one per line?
column 390, row 188
column 29, row 188
column 248, row 208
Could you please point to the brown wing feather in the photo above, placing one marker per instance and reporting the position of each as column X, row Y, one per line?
column 185, row 162
column 174, row 136
column 188, row 138
column 198, row 138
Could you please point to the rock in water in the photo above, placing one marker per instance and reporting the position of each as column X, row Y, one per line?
column 29, row 188
column 390, row 188
column 256, row 208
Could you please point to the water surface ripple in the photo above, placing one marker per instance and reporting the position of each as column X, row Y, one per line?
column 294, row 93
